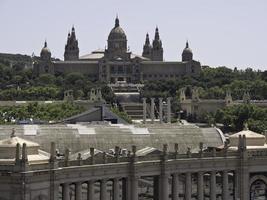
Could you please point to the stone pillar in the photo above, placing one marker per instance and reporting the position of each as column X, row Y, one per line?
column 103, row 189
column 160, row 110
column 213, row 185
column 116, row 189
column 164, row 186
column 125, row 189
column 78, row 191
column 169, row 109
column 152, row 112
column 156, row 187
column 225, row 191
column 175, row 186
column 66, row 191
column 236, row 185
column 144, row 110
column 134, row 188
column 90, row 190
column 188, row 186
column 200, row 186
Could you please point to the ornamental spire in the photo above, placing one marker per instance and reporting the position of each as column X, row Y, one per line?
column 117, row 21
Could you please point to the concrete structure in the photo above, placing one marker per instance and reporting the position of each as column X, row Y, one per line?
column 166, row 174
column 116, row 63
column 194, row 106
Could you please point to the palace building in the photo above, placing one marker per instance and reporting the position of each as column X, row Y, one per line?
column 116, row 63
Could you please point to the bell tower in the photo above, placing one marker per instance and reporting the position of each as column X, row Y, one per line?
column 147, row 48
column 157, row 50
column 71, row 48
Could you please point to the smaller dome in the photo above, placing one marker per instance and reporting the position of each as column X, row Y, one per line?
column 45, row 52
column 187, row 54
column 187, row 50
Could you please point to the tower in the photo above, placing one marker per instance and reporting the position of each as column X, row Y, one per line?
column 71, row 48
column 157, row 50
column 147, row 48
column 45, row 64
column 187, row 54
column 228, row 98
column 45, row 53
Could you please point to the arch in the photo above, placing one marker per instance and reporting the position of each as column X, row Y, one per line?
column 258, row 187
column 257, row 178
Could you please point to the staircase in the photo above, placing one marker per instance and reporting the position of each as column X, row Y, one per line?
column 134, row 110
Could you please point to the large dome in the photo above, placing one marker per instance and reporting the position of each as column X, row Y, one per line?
column 117, row 33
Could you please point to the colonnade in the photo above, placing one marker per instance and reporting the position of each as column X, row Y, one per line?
column 165, row 187
column 152, row 110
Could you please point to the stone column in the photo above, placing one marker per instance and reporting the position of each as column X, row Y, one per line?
column 90, row 190
column 66, row 191
column 156, row 188
column 225, row 191
column 164, row 183
column 160, row 110
column 125, row 189
column 200, row 186
column 116, row 189
column 213, row 185
column 78, row 191
column 152, row 112
column 169, row 109
column 175, row 186
column 134, row 188
column 188, row 186
column 144, row 110
column 103, row 189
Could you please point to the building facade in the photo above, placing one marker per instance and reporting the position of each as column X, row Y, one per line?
column 236, row 171
column 116, row 63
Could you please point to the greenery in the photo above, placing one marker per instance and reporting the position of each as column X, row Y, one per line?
column 122, row 114
column 234, row 117
column 213, row 84
column 41, row 112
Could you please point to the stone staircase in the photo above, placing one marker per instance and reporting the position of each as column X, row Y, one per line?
column 134, row 110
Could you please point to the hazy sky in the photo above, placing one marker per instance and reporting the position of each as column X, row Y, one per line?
column 232, row 33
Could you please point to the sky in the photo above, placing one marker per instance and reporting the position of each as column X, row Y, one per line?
column 230, row 33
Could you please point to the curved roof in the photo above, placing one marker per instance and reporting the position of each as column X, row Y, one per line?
column 106, row 136
column 117, row 33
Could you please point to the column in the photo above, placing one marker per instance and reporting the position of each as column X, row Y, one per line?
column 160, row 110
column 156, row 188
column 103, row 190
column 134, row 188
column 144, row 110
column 236, row 185
column 213, row 185
column 225, row 191
column 116, row 189
column 78, row 191
column 125, row 189
column 152, row 112
column 188, row 186
column 200, row 186
column 90, row 190
column 175, row 186
column 164, row 183
column 169, row 109
column 66, row 191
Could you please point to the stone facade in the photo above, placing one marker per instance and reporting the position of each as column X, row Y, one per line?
column 235, row 171
column 116, row 63
column 197, row 107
